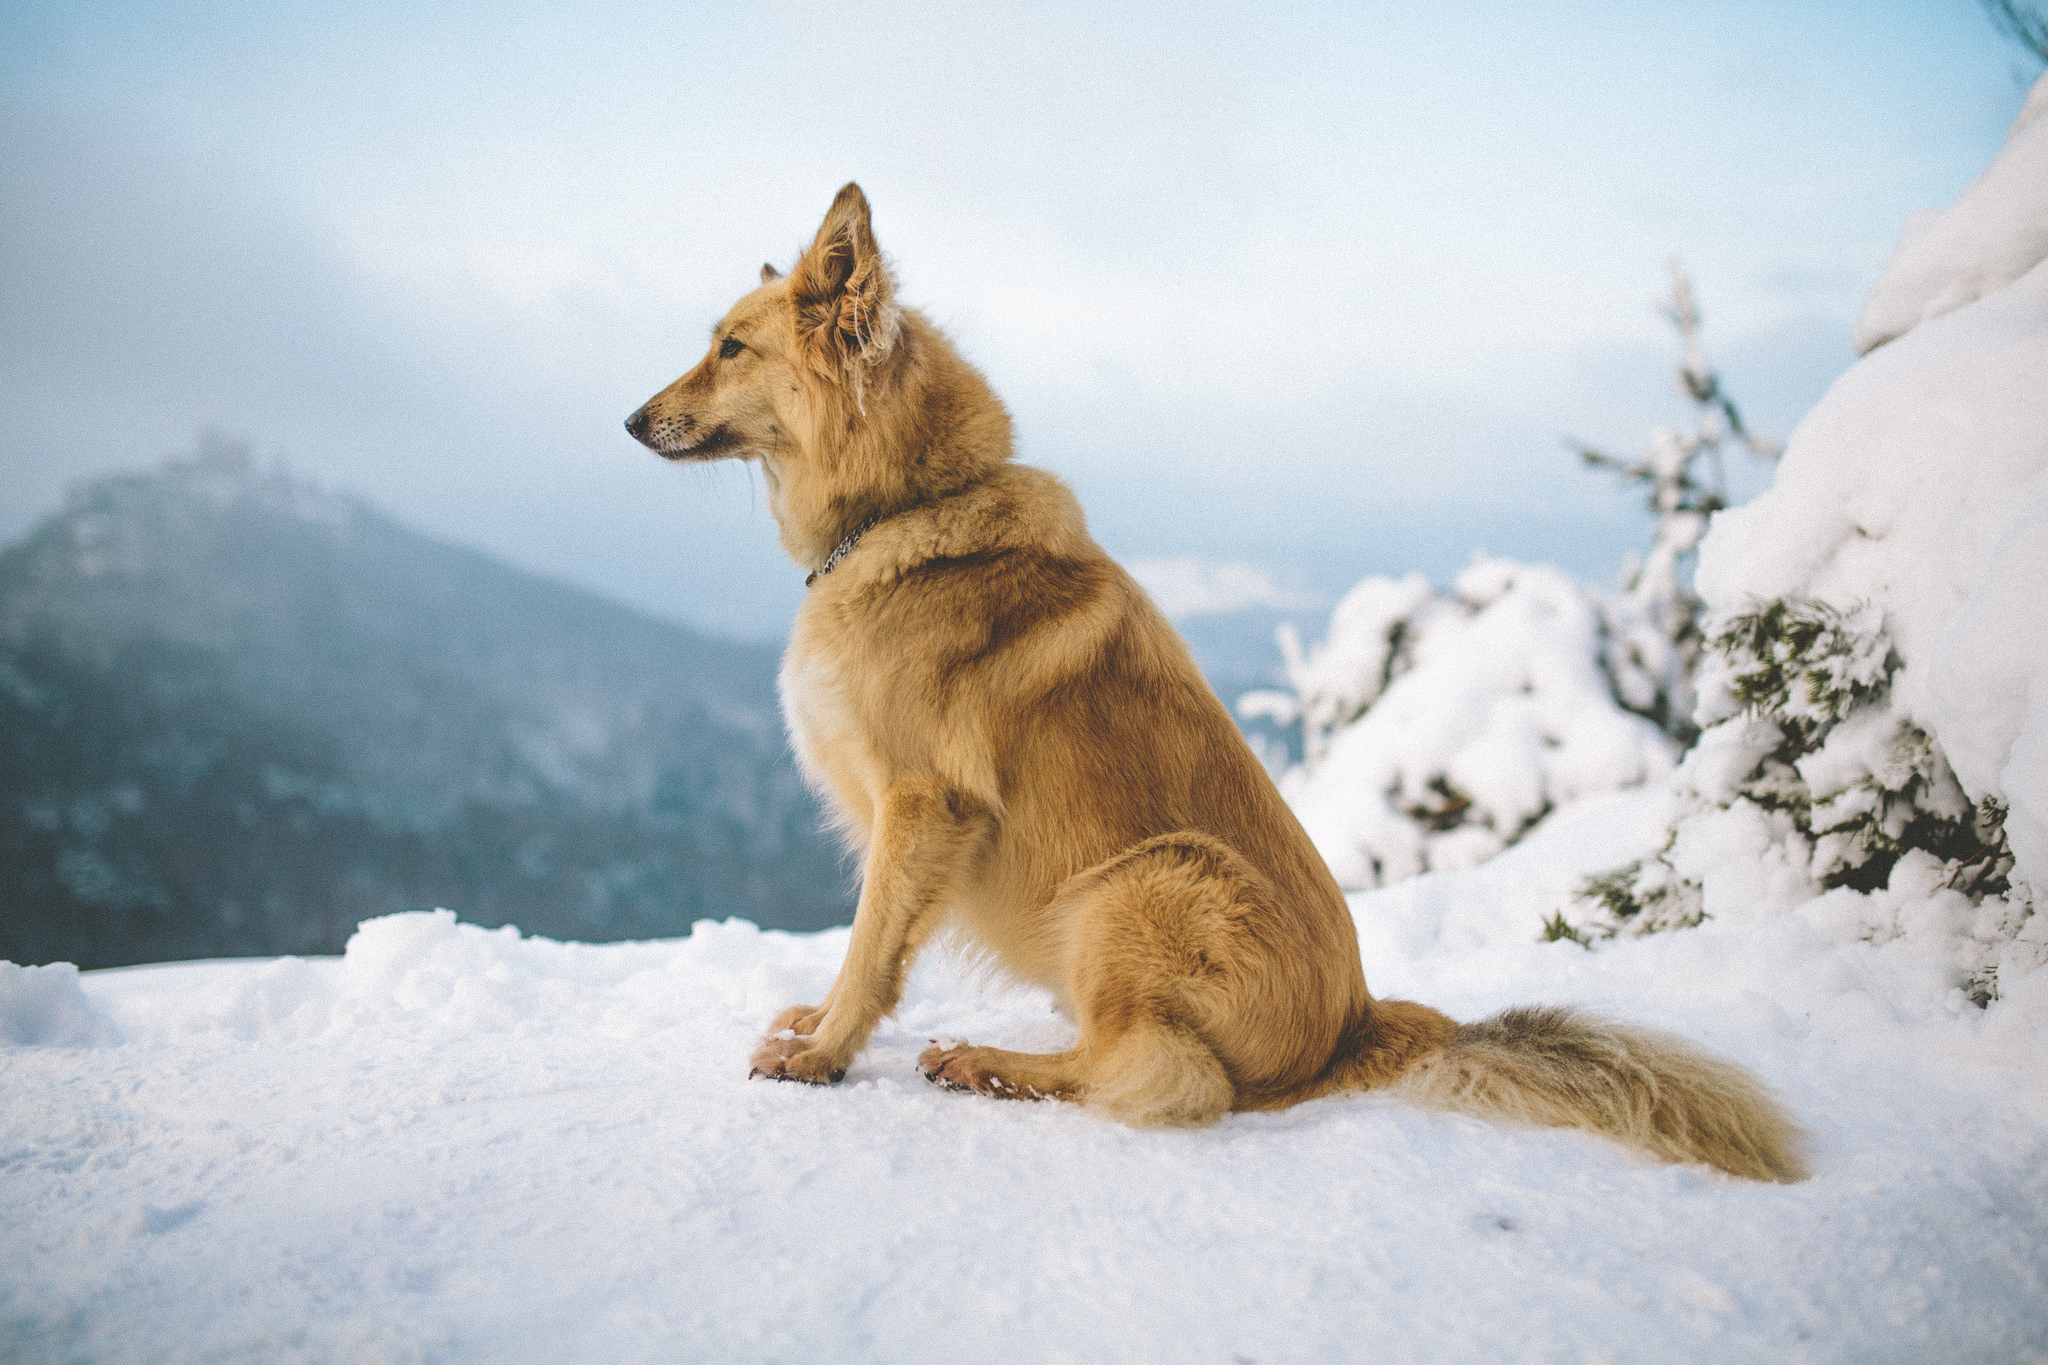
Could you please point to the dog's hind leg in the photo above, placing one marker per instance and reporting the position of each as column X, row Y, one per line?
column 1003, row 1075
column 1148, row 968
column 1163, row 967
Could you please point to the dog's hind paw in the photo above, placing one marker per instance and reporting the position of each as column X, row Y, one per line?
column 942, row 1081
column 965, row 1068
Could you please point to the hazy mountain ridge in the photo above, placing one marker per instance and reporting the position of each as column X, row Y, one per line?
column 238, row 713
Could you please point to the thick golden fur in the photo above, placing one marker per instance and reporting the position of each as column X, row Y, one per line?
column 1019, row 746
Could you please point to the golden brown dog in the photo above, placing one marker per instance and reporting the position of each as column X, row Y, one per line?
column 1019, row 745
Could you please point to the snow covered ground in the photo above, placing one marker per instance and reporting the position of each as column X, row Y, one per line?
column 455, row 1144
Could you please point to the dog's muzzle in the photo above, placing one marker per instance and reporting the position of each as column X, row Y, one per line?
column 681, row 437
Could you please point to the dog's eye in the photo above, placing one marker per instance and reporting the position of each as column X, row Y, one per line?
column 729, row 348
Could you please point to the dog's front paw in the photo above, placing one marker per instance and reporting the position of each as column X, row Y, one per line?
column 796, row 1059
column 802, row 1020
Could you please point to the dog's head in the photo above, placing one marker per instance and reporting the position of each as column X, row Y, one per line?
column 789, row 356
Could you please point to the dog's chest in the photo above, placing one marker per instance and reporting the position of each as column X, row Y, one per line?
column 821, row 703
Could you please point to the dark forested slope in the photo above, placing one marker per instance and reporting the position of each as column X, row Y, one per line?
column 239, row 714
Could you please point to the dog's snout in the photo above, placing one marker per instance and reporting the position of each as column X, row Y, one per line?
column 636, row 425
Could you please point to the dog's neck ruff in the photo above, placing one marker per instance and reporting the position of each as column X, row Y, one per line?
column 840, row 552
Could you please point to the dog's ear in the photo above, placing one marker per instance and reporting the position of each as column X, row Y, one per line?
column 844, row 297
column 769, row 274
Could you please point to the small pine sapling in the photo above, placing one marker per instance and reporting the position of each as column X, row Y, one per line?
column 1655, row 644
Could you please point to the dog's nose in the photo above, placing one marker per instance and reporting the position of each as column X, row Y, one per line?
column 636, row 426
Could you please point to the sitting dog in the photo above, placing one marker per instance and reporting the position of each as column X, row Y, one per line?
column 1019, row 745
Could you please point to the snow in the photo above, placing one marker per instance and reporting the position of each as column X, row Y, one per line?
column 1437, row 730
column 1987, row 683
column 1995, row 233
column 456, row 1144
column 45, row 1005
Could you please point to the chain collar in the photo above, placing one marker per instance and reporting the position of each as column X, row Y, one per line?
column 844, row 548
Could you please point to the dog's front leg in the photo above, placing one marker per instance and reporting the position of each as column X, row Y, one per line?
column 926, row 835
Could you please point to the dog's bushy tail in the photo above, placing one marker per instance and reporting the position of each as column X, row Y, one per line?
column 1562, row 1068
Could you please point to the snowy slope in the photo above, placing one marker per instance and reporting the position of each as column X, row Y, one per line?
column 454, row 1144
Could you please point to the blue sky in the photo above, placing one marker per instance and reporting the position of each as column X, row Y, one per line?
column 1318, row 288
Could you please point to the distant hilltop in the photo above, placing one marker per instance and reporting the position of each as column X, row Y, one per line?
column 239, row 713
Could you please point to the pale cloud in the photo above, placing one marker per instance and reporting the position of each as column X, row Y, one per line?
column 1186, row 586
